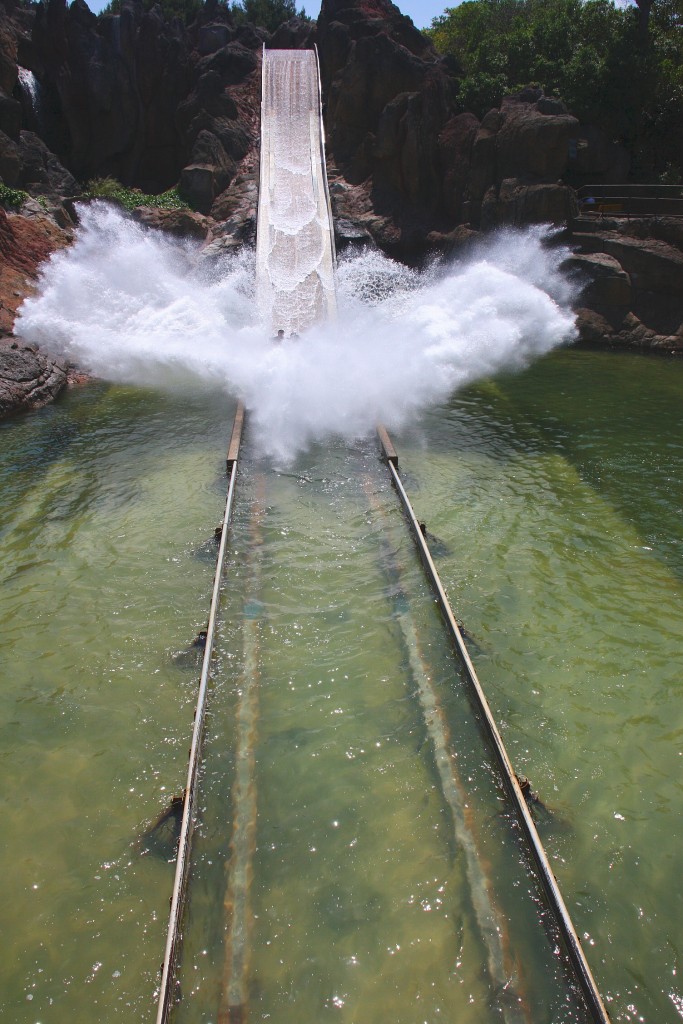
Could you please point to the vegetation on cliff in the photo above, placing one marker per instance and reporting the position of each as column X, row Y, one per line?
column 620, row 68
column 132, row 198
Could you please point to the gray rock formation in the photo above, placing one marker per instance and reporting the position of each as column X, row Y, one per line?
column 28, row 377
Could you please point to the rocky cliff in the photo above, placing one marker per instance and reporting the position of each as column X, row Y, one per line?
column 155, row 104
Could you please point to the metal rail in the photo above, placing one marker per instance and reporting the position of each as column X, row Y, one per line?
column 551, row 888
column 490, row 922
column 233, row 1003
column 166, row 1000
column 630, row 200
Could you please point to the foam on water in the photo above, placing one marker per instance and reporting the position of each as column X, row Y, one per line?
column 132, row 305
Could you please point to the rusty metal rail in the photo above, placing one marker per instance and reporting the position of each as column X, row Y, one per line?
column 491, row 923
column 233, row 1005
column 549, row 883
column 166, row 989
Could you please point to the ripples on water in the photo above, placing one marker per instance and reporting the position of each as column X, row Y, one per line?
column 563, row 510
column 556, row 496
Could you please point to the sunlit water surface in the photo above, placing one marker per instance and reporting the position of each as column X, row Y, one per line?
column 555, row 500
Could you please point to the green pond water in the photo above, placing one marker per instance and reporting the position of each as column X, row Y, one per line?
column 556, row 498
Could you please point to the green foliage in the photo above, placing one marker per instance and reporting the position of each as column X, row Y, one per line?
column 268, row 14
column 590, row 52
column 186, row 10
column 129, row 198
column 12, row 198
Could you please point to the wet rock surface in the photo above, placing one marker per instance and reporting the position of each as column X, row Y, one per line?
column 29, row 378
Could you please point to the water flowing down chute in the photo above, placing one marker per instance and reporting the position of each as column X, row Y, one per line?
column 295, row 241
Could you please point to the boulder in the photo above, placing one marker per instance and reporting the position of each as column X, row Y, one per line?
column 653, row 266
column 15, row 28
column 633, row 332
column 294, row 34
column 635, row 283
column 209, row 98
column 198, row 186
column 28, row 377
column 214, row 37
column 233, row 63
column 239, row 201
column 220, row 120
column 533, row 143
column 377, row 73
column 663, row 229
column 181, row 223
column 550, row 105
column 252, row 37
column 608, row 284
column 517, row 203
column 351, row 233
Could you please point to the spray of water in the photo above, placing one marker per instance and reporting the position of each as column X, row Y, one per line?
column 131, row 305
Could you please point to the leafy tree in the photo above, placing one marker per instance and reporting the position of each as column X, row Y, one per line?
column 613, row 66
column 268, row 14
column 186, row 10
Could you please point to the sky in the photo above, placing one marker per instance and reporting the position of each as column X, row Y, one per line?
column 421, row 11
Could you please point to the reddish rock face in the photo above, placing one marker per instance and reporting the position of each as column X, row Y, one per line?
column 28, row 377
column 24, row 244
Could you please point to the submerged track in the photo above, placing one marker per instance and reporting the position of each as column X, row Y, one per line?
column 235, row 987
column 295, row 288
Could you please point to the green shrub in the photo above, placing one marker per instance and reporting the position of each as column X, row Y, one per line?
column 129, row 198
column 268, row 14
column 186, row 10
column 12, row 198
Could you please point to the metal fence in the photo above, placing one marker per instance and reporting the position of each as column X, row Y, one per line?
column 630, row 200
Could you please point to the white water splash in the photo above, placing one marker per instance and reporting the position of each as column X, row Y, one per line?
column 131, row 305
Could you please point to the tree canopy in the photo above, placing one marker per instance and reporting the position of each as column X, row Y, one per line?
column 620, row 68
column 268, row 14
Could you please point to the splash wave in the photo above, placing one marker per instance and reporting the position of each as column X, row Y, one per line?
column 131, row 305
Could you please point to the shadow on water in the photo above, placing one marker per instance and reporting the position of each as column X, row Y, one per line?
column 559, row 492
column 633, row 405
